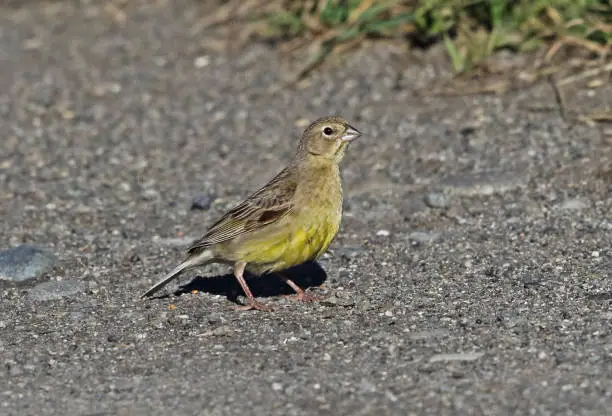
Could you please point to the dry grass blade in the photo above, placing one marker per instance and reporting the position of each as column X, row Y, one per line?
column 116, row 11
column 600, row 116
column 559, row 97
column 236, row 10
column 363, row 6
column 593, row 72
column 601, row 50
column 347, row 46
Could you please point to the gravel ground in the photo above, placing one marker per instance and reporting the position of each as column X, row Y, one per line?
column 471, row 275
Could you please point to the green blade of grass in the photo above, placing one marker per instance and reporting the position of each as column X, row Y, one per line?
column 372, row 12
column 457, row 58
column 388, row 25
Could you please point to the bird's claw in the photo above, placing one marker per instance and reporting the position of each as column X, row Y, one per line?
column 307, row 297
column 253, row 304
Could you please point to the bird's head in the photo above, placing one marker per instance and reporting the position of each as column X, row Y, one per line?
column 327, row 138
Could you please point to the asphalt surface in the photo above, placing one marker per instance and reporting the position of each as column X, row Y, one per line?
column 472, row 272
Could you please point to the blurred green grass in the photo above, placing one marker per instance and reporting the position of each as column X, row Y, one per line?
column 470, row 30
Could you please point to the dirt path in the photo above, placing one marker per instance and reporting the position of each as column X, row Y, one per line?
column 472, row 273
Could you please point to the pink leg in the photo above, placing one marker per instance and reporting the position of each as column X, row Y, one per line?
column 301, row 294
column 251, row 302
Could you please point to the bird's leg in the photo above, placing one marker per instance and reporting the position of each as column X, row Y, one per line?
column 251, row 302
column 300, row 293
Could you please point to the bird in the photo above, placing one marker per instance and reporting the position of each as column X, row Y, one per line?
column 289, row 221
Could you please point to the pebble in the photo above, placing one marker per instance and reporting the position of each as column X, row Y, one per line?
column 367, row 386
column 174, row 242
column 221, row 331
column 437, row 200
column 413, row 206
column 201, row 61
column 421, row 237
column 202, row 201
column 484, row 183
column 337, row 300
column 215, row 318
column 45, row 95
column 383, row 233
column 572, row 205
column 150, row 194
column 348, row 252
column 25, row 262
column 54, row 290
column 466, row 356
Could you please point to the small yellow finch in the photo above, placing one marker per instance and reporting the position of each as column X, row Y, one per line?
column 289, row 221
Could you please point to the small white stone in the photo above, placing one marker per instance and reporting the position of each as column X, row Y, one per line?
column 466, row 356
column 595, row 254
column 160, row 61
column 383, row 233
column 114, row 87
column 290, row 339
column 201, row 61
column 277, row 386
column 392, row 397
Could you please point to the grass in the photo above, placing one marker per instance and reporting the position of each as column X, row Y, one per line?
column 470, row 30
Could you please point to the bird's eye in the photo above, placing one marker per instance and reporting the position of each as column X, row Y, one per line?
column 328, row 131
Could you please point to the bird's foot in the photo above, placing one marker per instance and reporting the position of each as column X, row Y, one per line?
column 307, row 297
column 253, row 304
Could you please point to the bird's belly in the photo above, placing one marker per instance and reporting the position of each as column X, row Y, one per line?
column 290, row 246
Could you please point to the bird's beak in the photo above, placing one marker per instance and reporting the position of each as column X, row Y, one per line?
column 350, row 134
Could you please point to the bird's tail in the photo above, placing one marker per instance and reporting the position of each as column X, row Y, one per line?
column 198, row 260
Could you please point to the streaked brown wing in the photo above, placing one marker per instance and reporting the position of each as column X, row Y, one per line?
column 266, row 206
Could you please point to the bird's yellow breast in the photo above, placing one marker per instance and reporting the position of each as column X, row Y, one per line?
column 304, row 234
column 297, row 243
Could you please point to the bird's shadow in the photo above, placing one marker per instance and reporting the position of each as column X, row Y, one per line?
column 268, row 285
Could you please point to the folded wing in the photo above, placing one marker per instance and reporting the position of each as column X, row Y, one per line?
column 266, row 206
